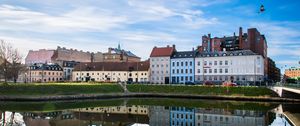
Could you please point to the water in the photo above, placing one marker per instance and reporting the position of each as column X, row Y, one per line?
column 145, row 112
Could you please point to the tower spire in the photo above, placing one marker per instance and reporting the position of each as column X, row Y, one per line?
column 119, row 47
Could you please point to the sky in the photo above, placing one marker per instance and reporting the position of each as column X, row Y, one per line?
column 139, row 25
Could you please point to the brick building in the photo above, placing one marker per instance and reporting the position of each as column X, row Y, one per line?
column 39, row 56
column 273, row 74
column 292, row 73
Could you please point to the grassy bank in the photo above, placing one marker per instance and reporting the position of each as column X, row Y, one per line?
column 203, row 90
column 58, row 89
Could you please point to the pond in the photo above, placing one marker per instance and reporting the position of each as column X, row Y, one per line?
column 148, row 112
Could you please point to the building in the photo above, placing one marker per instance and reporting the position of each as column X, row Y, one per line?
column 120, row 55
column 252, row 40
column 182, row 116
column 183, row 67
column 159, row 116
column 39, row 56
column 242, row 67
column 273, row 74
column 68, row 67
column 62, row 54
column 45, row 73
column 134, row 110
column 112, row 71
column 293, row 72
column 160, row 64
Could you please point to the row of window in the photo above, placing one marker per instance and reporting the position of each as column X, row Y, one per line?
column 211, row 71
column 162, row 72
column 182, row 63
column 210, row 63
column 88, row 74
column 160, row 65
column 186, row 79
column 181, row 71
column 162, row 59
column 46, row 73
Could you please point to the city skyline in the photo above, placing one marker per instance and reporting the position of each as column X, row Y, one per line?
column 141, row 25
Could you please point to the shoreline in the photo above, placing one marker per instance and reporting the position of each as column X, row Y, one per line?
column 142, row 95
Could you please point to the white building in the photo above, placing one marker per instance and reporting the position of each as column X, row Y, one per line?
column 242, row 67
column 112, row 72
column 160, row 64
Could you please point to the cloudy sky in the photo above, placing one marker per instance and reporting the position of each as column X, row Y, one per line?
column 139, row 25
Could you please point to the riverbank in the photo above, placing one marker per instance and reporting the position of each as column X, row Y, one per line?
column 80, row 91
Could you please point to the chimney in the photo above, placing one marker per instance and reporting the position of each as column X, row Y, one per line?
column 234, row 34
column 193, row 48
column 109, row 50
column 241, row 38
column 209, row 35
column 168, row 46
column 155, row 47
column 174, row 46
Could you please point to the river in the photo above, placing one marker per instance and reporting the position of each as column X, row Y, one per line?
column 149, row 112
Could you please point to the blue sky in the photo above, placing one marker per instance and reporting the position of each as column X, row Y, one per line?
column 139, row 25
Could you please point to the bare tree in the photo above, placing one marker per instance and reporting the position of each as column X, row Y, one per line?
column 10, row 61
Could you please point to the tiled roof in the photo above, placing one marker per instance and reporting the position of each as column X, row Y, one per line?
column 226, row 53
column 119, row 51
column 184, row 54
column 40, row 66
column 113, row 66
column 162, row 51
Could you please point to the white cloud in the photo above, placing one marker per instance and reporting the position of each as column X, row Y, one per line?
column 79, row 19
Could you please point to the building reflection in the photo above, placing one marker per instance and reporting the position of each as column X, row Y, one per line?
column 152, row 115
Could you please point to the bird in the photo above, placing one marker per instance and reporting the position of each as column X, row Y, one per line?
column 262, row 9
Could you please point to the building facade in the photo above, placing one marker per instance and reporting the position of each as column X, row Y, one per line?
column 183, row 67
column 242, row 67
column 273, row 74
column 45, row 73
column 68, row 67
column 293, row 72
column 160, row 64
column 159, row 116
column 112, row 72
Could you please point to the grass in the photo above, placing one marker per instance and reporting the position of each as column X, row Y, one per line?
column 58, row 89
column 203, row 90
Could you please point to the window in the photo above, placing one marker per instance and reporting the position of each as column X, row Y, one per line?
column 173, row 63
column 191, row 78
column 221, row 70
column 221, row 62
column 226, row 70
column 173, row 71
column 186, row 70
column 177, row 63
column 198, row 70
column 216, row 63
column 152, row 66
column 210, row 63
column 177, row 71
column 198, row 63
column 215, row 71
column 186, row 78
column 186, row 63
column 226, row 62
column 191, row 70
column 205, row 63
column 162, row 65
column 181, row 63
column 157, row 65
column 205, row 70
column 210, row 70
column 191, row 63
column 181, row 70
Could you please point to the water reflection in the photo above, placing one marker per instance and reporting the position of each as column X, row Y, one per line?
column 140, row 115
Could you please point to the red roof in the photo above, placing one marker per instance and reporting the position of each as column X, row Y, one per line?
column 162, row 51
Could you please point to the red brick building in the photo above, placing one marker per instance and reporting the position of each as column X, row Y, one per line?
column 252, row 40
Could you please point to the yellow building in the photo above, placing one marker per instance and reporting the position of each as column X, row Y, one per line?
column 112, row 72
column 44, row 73
column 292, row 73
